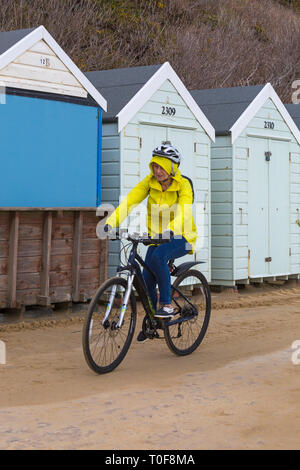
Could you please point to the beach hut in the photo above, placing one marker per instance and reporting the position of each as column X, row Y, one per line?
column 50, row 164
column 149, row 105
column 255, row 181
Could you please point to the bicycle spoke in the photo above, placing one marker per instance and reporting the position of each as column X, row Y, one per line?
column 191, row 296
column 104, row 343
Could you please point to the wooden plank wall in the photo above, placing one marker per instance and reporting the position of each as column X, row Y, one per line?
column 4, row 244
column 110, row 182
column 221, row 210
column 50, row 256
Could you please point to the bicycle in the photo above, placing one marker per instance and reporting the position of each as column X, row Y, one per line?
column 111, row 317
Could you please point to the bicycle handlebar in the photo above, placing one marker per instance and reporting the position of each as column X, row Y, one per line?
column 136, row 238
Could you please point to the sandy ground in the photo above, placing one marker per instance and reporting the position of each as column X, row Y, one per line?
column 239, row 390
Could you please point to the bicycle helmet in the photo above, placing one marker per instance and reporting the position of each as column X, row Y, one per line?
column 167, row 150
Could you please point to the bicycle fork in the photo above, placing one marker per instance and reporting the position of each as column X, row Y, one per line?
column 125, row 302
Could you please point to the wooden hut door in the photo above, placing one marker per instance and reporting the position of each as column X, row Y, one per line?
column 258, row 201
column 268, row 207
column 279, row 211
column 151, row 137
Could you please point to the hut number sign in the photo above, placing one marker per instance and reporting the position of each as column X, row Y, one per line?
column 269, row 125
column 45, row 61
column 168, row 110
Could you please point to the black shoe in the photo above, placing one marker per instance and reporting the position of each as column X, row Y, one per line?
column 165, row 312
column 141, row 337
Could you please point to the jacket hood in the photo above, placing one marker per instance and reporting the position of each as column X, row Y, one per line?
column 165, row 163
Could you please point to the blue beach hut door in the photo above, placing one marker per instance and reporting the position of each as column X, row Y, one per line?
column 268, row 207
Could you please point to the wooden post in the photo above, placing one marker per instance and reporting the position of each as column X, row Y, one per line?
column 44, row 298
column 13, row 258
column 76, row 256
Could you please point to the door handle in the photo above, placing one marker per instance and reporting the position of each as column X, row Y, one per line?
column 205, row 201
column 268, row 156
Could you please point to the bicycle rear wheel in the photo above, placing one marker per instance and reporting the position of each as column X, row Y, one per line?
column 191, row 296
column 104, row 343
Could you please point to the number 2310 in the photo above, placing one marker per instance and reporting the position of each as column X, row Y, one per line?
column 269, row 125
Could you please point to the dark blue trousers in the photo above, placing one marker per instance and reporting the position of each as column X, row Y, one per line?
column 157, row 258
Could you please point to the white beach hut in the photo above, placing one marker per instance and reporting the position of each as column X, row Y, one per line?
column 255, row 184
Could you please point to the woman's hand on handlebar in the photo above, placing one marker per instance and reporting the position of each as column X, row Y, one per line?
column 160, row 238
column 166, row 235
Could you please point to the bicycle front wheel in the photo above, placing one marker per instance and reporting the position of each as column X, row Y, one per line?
column 105, row 342
column 191, row 297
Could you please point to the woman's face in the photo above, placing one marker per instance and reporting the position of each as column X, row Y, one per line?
column 159, row 173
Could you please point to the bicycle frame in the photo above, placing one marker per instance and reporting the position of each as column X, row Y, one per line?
column 136, row 279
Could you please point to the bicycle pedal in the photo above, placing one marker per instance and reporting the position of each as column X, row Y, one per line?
column 152, row 334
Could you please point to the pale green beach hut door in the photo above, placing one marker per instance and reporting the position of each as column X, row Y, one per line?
column 279, row 210
column 268, row 207
column 152, row 136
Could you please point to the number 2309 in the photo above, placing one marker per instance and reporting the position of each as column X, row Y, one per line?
column 168, row 110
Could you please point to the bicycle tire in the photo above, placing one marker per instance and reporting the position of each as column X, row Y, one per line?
column 96, row 308
column 175, row 343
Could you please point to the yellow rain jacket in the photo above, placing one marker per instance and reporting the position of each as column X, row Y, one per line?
column 166, row 210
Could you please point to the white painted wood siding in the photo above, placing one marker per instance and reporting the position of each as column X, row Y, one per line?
column 40, row 69
column 151, row 113
column 110, row 182
column 295, row 206
column 221, row 211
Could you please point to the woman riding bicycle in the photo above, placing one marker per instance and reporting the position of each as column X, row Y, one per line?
column 169, row 212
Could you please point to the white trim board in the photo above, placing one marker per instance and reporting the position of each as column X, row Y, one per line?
column 175, row 126
column 250, row 112
column 268, row 136
column 41, row 33
column 165, row 72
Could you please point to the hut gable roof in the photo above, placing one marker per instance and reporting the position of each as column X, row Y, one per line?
column 10, row 38
column 231, row 109
column 119, row 86
column 223, row 106
column 15, row 43
column 128, row 89
column 294, row 110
